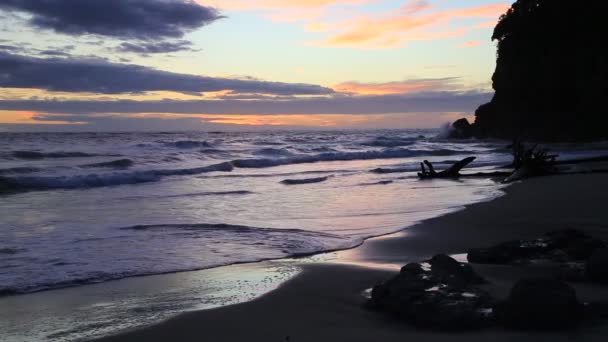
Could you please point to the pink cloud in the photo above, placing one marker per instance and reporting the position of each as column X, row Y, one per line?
column 414, row 22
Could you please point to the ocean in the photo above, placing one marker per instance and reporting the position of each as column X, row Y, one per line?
column 89, row 208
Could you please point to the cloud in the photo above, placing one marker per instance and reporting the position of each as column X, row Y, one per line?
column 124, row 19
column 99, row 76
column 415, row 21
column 287, row 10
column 146, row 48
column 402, row 87
column 429, row 102
column 172, row 122
column 281, row 4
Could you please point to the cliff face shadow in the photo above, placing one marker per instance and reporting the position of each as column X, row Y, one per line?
column 551, row 77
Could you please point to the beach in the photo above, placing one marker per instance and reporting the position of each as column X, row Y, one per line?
column 324, row 302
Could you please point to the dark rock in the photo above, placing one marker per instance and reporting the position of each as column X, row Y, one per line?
column 443, row 310
column 413, row 268
column 597, row 266
column 565, row 245
column 563, row 237
column 461, row 129
column 584, row 248
column 442, row 297
column 551, row 78
column 540, row 304
column 573, row 271
column 508, row 252
column 453, row 273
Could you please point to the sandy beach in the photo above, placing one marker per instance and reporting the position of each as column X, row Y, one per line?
column 324, row 302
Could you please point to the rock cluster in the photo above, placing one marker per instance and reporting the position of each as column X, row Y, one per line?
column 445, row 294
column 567, row 245
column 441, row 294
column 540, row 304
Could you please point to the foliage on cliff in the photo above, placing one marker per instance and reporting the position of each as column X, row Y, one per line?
column 551, row 77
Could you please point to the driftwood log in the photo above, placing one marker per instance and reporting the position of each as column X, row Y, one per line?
column 528, row 161
column 451, row 172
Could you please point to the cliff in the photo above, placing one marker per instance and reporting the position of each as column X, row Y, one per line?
column 551, row 78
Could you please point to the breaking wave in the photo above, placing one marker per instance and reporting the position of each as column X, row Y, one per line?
column 188, row 144
column 341, row 156
column 304, row 181
column 100, row 180
column 251, row 244
column 34, row 155
column 115, row 164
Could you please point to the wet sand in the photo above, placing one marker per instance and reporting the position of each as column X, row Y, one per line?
column 323, row 303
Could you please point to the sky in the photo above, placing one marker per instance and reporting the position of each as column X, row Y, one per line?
column 130, row 65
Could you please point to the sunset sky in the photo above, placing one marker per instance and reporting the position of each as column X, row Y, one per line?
column 96, row 65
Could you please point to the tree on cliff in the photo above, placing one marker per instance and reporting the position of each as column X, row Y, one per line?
column 551, row 77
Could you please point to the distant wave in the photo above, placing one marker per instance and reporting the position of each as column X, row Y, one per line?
column 280, row 152
column 144, row 176
column 9, row 250
column 187, row 144
column 17, row 170
column 100, row 180
column 384, row 182
column 341, row 156
column 304, row 181
column 115, row 164
column 216, row 193
column 34, row 155
column 390, row 142
column 285, row 174
column 382, row 170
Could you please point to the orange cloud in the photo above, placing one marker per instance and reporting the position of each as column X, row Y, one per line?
column 411, row 23
column 24, row 118
column 388, row 88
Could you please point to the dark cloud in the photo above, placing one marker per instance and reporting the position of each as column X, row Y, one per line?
column 125, row 19
column 146, row 48
column 380, row 104
column 99, row 76
column 12, row 48
column 54, row 53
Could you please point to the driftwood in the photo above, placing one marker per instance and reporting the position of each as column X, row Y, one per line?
column 528, row 161
column 531, row 162
column 451, row 172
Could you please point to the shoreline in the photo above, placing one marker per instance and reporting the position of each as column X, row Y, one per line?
column 323, row 302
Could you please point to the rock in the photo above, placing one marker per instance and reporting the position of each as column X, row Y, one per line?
column 461, row 129
column 543, row 90
column 443, row 310
column 453, row 273
column 563, row 237
column 540, row 304
column 560, row 245
column 413, row 268
column 441, row 297
column 575, row 243
column 597, row 266
column 508, row 252
column 584, row 248
column 573, row 271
